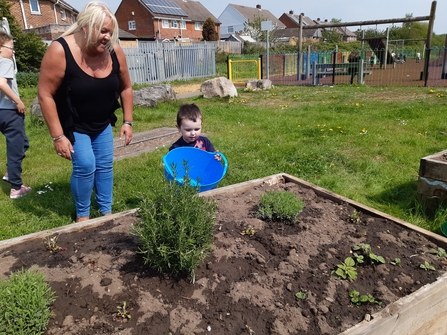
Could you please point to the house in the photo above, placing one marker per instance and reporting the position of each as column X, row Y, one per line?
column 234, row 17
column 48, row 18
column 167, row 19
column 347, row 35
column 292, row 21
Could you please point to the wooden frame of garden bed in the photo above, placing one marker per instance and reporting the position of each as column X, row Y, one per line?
column 420, row 313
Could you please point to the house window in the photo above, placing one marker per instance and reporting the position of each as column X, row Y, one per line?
column 174, row 24
column 73, row 18
column 230, row 29
column 63, row 15
column 132, row 25
column 165, row 24
column 35, row 8
column 197, row 26
column 182, row 25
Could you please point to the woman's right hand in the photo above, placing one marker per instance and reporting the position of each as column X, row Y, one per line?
column 63, row 148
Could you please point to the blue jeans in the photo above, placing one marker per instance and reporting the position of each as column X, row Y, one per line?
column 12, row 125
column 92, row 170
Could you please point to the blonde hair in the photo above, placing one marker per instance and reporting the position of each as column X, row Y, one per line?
column 93, row 16
column 4, row 37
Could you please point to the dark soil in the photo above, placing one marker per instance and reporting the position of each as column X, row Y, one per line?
column 247, row 285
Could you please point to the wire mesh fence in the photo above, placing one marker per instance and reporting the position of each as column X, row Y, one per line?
column 376, row 68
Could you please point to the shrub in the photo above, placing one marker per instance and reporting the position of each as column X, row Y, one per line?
column 279, row 206
column 27, row 79
column 176, row 229
column 24, row 301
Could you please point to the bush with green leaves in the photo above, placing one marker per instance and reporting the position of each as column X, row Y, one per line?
column 24, row 303
column 176, row 229
column 27, row 79
column 281, row 206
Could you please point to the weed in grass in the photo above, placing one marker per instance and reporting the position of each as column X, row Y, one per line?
column 279, row 206
column 24, row 303
column 176, row 229
column 248, row 231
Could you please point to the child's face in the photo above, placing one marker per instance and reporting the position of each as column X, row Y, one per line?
column 190, row 130
column 7, row 49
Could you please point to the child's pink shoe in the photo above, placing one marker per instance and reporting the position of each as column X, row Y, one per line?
column 15, row 194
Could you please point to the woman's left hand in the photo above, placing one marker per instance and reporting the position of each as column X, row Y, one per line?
column 126, row 130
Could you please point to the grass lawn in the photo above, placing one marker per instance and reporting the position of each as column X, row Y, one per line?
column 361, row 142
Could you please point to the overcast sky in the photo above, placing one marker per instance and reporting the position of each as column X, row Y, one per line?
column 347, row 11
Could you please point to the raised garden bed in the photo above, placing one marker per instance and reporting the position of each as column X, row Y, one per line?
column 249, row 283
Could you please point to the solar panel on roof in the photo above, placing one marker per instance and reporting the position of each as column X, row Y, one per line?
column 164, row 7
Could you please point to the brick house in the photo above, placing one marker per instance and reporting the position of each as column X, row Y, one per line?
column 167, row 20
column 48, row 18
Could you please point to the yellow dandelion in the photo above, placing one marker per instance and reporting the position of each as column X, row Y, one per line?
column 357, row 104
column 330, row 129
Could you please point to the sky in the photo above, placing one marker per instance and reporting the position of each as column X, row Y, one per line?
column 347, row 11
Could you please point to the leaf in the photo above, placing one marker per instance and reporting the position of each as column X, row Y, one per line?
column 349, row 261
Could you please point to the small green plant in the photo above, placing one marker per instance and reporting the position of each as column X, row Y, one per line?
column 427, row 267
column 50, row 243
column 176, row 228
column 440, row 252
column 355, row 217
column 250, row 231
column 300, row 295
column 366, row 251
column 279, row 206
column 347, row 269
column 123, row 312
column 24, row 303
column 358, row 299
column 359, row 259
column 395, row 262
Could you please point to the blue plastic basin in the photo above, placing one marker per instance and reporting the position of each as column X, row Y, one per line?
column 204, row 170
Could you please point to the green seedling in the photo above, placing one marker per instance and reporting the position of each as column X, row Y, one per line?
column 366, row 251
column 50, row 243
column 427, row 267
column 358, row 299
column 440, row 252
column 300, row 295
column 347, row 269
column 395, row 262
column 123, row 312
column 355, row 217
column 248, row 231
column 358, row 258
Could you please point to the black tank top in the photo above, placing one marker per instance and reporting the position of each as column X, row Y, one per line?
column 86, row 104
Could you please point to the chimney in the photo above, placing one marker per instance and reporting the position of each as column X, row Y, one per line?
column 325, row 20
column 291, row 12
column 302, row 14
column 318, row 20
column 258, row 6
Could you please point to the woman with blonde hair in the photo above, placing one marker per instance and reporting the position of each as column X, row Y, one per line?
column 83, row 76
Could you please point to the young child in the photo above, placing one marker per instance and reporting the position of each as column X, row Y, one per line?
column 189, row 124
column 12, row 118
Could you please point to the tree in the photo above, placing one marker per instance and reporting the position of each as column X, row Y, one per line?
column 209, row 32
column 29, row 46
column 253, row 29
column 332, row 35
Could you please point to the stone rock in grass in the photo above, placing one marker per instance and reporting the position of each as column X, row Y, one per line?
column 218, row 87
column 150, row 96
column 258, row 84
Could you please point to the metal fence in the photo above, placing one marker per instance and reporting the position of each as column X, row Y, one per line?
column 404, row 69
column 152, row 62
